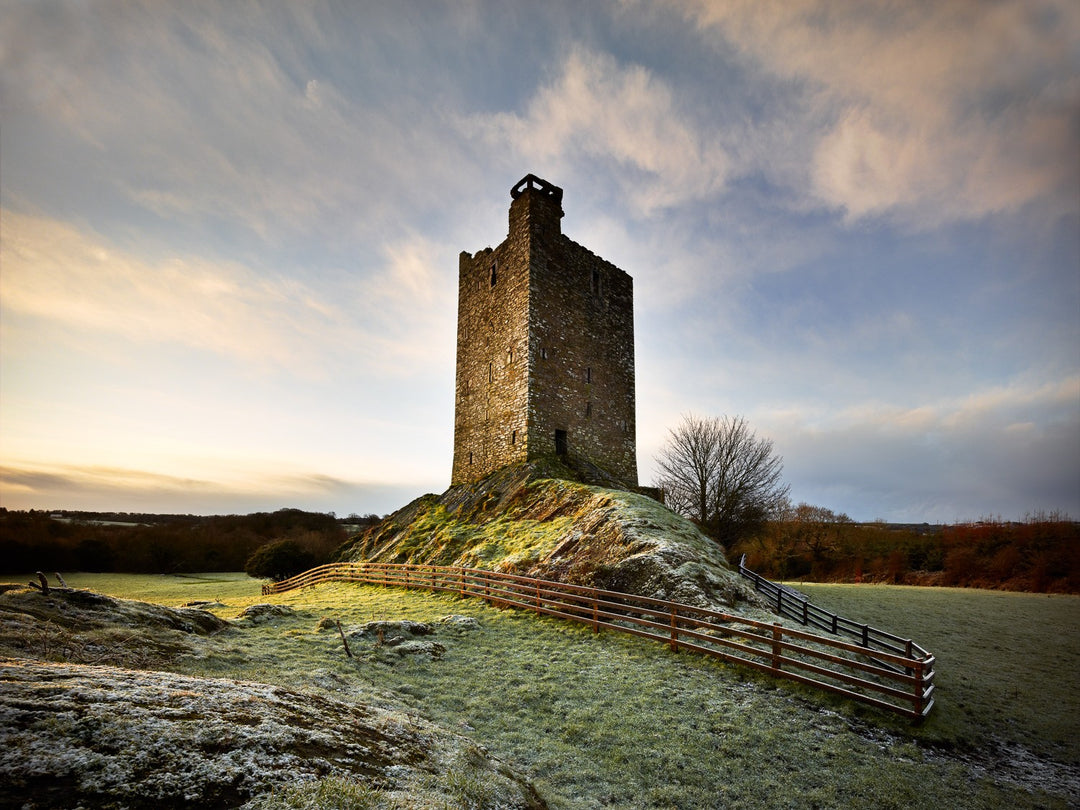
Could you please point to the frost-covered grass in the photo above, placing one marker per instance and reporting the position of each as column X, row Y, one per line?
column 614, row 721
column 1006, row 662
column 332, row 793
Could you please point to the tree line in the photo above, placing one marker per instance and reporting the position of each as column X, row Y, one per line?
column 1040, row 554
column 720, row 474
column 160, row 544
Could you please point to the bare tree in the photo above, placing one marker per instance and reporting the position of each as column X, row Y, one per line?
column 818, row 530
column 717, row 472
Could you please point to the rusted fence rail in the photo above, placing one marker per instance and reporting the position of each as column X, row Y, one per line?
column 904, row 685
column 789, row 602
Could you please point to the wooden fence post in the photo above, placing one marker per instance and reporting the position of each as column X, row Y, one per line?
column 777, row 634
column 595, row 613
column 918, row 701
column 674, row 631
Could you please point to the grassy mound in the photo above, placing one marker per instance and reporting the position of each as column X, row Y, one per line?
column 530, row 519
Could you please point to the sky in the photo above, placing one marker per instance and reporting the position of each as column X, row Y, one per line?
column 229, row 237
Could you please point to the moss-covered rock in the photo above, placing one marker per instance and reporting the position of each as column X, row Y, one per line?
column 529, row 519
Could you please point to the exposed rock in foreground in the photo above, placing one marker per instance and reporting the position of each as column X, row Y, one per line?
column 85, row 609
column 92, row 628
column 74, row 735
column 523, row 520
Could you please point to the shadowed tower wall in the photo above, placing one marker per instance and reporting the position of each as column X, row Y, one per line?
column 545, row 349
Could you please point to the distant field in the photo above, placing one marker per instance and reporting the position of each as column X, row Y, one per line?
column 613, row 721
column 165, row 589
column 1000, row 655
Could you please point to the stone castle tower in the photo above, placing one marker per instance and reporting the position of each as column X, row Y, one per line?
column 545, row 349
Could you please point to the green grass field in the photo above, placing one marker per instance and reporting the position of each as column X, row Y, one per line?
column 999, row 656
column 613, row 721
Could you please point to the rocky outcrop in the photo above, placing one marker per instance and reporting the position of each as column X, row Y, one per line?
column 74, row 735
column 85, row 609
column 530, row 519
column 92, row 628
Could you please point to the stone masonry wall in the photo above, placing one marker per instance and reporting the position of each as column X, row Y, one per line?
column 582, row 359
column 492, row 367
column 545, row 344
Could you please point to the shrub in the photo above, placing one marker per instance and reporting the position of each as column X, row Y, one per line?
column 278, row 560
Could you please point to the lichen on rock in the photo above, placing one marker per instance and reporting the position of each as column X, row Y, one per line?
column 74, row 735
column 263, row 612
column 403, row 637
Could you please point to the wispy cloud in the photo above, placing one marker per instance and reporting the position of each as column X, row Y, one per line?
column 213, row 114
column 128, row 489
column 407, row 306
column 931, row 111
column 595, row 110
column 1004, row 450
column 56, row 272
column 393, row 316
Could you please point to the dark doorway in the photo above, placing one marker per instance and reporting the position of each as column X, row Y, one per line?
column 561, row 445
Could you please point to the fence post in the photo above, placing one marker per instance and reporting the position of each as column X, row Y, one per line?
column 918, row 701
column 538, row 594
column 595, row 613
column 866, row 636
column 777, row 634
column 674, row 631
